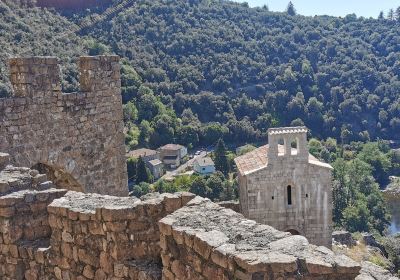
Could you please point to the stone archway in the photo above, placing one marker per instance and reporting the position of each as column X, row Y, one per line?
column 60, row 178
column 293, row 232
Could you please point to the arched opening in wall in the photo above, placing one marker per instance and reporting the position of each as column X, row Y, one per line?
column 59, row 177
column 289, row 195
column 281, row 147
column 293, row 232
column 294, row 146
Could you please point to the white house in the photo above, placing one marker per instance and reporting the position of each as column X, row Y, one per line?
column 204, row 166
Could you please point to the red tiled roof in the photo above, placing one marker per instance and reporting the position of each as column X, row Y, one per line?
column 172, row 147
column 258, row 158
column 143, row 152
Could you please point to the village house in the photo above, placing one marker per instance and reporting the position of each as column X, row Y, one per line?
column 156, row 168
column 204, row 166
column 151, row 158
column 172, row 155
column 146, row 154
column 282, row 185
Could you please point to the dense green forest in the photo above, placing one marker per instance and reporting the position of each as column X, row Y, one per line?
column 197, row 70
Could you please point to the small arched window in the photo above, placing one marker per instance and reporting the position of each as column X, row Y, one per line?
column 289, row 195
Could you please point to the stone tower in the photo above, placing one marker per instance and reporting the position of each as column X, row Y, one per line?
column 76, row 138
column 282, row 185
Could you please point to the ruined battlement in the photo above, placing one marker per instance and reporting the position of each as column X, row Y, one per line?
column 48, row 233
column 76, row 138
column 38, row 77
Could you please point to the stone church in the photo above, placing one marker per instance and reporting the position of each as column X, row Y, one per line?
column 284, row 186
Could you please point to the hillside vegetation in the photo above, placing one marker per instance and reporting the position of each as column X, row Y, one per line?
column 198, row 70
column 249, row 69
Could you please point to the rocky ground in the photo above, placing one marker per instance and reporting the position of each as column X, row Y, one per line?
column 368, row 252
column 393, row 189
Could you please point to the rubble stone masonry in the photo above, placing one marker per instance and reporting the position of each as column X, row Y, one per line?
column 78, row 137
column 48, row 234
column 206, row 241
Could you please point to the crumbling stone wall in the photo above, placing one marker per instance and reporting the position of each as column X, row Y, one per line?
column 24, row 224
column 78, row 135
column 206, row 241
column 101, row 237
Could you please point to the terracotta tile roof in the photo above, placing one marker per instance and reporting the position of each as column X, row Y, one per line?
column 206, row 161
column 252, row 160
column 258, row 159
column 141, row 153
column 172, row 147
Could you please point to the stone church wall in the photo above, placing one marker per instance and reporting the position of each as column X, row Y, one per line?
column 79, row 136
column 311, row 211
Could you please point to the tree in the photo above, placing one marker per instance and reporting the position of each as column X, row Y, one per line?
column 131, row 164
column 379, row 161
column 221, row 159
column 290, row 9
column 356, row 218
column 142, row 172
column 227, row 192
column 397, row 14
column 390, row 15
column 381, row 16
column 141, row 189
column 199, row 187
column 130, row 112
column 215, row 185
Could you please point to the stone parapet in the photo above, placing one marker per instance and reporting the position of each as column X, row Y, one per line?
column 232, row 204
column 13, row 179
column 24, row 224
column 99, row 236
column 206, row 241
column 4, row 160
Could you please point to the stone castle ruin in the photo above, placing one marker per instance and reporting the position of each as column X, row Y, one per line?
column 51, row 231
column 282, row 185
column 76, row 138
column 48, row 233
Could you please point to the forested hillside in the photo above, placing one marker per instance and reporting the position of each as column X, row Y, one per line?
column 198, row 70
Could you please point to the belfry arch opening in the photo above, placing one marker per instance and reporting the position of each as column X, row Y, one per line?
column 294, row 146
column 60, row 178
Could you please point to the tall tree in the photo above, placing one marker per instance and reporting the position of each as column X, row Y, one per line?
column 221, row 159
column 142, row 173
column 390, row 15
column 381, row 16
column 290, row 9
column 397, row 14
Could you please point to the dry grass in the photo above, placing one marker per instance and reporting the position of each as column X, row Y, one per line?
column 360, row 253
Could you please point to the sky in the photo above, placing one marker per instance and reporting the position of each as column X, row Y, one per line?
column 365, row 8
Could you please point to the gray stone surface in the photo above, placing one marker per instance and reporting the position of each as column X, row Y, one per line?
column 370, row 240
column 13, row 179
column 370, row 271
column 343, row 237
column 239, row 246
